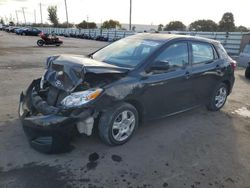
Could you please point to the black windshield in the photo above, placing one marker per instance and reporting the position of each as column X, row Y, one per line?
column 127, row 52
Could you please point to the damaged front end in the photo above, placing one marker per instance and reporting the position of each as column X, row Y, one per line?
column 64, row 101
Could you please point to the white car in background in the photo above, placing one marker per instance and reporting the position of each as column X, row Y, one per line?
column 244, row 60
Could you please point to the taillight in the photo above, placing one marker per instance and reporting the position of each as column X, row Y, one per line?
column 233, row 64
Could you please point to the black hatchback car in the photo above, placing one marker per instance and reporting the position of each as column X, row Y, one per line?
column 141, row 77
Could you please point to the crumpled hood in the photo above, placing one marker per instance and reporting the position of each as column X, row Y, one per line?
column 66, row 72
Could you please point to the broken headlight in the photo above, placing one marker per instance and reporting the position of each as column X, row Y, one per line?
column 79, row 98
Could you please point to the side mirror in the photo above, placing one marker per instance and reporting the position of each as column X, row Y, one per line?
column 159, row 66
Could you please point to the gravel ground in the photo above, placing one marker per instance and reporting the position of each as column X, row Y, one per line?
column 194, row 149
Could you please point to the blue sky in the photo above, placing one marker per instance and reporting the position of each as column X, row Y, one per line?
column 144, row 11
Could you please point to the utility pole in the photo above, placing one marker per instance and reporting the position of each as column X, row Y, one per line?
column 41, row 13
column 17, row 17
column 87, row 21
column 24, row 16
column 6, row 20
column 35, row 16
column 11, row 18
column 130, row 15
column 66, row 9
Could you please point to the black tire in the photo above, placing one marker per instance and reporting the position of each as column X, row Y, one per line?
column 107, row 119
column 58, row 45
column 23, row 34
column 247, row 72
column 40, row 43
column 212, row 105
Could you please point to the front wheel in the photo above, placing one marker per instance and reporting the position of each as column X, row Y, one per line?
column 218, row 97
column 118, row 124
column 247, row 72
column 40, row 43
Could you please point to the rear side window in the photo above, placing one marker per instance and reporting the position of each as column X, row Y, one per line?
column 176, row 54
column 202, row 52
column 221, row 50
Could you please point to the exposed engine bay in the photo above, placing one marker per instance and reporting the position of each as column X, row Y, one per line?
column 69, row 74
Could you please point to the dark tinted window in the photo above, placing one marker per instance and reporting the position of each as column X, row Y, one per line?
column 202, row 52
column 221, row 50
column 175, row 54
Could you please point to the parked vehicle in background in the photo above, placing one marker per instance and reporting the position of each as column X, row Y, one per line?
column 13, row 29
column 244, row 59
column 30, row 31
column 4, row 27
column 137, row 78
column 19, row 30
column 247, row 71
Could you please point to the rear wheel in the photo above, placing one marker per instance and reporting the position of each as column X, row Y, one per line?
column 218, row 97
column 247, row 72
column 40, row 43
column 118, row 124
column 23, row 34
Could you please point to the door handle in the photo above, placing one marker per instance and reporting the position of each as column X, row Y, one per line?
column 218, row 69
column 187, row 75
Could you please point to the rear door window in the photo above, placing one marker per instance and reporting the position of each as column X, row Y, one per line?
column 202, row 53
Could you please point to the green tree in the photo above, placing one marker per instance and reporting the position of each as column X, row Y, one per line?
column 87, row 25
column 160, row 27
column 92, row 25
column 110, row 24
column 203, row 25
column 242, row 29
column 175, row 26
column 227, row 22
column 11, row 23
column 52, row 10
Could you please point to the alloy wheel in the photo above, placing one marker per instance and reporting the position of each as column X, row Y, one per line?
column 123, row 125
column 220, row 97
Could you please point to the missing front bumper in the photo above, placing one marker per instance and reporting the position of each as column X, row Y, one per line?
column 50, row 133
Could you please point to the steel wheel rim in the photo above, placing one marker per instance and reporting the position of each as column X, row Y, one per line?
column 123, row 125
column 220, row 97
